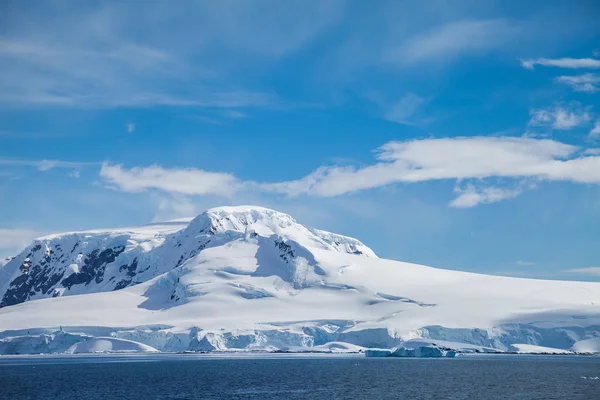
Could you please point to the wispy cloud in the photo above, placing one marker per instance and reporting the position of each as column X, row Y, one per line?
column 560, row 117
column 596, row 129
column 130, row 127
column 174, row 206
column 521, row 263
column 46, row 165
column 452, row 40
column 51, row 72
column 233, row 114
column 459, row 159
column 452, row 159
column 573, row 63
column 188, row 181
column 589, row 83
column 403, row 110
column 117, row 55
column 472, row 196
column 587, row 271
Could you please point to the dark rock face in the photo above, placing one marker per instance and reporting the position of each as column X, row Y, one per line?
column 287, row 253
column 131, row 271
column 93, row 267
column 41, row 277
column 33, row 280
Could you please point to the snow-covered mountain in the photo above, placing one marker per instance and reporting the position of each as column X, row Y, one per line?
column 99, row 261
column 253, row 278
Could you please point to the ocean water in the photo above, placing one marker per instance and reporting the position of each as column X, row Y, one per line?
column 298, row 377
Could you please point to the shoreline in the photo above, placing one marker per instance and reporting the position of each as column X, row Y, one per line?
column 267, row 354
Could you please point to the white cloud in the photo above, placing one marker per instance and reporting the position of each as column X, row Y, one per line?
column 472, row 196
column 452, row 40
column 457, row 159
column 560, row 117
column 405, row 108
column 451, row 159
column 14, row 240
column 596, row 129
column 588, row 270
column 589, row 83
column 130, row 127
column 188, row 181
column 572, row 63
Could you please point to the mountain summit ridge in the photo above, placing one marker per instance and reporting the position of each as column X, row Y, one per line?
column 103, row 260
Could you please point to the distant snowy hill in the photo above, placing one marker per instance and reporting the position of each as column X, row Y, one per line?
column 250, row 278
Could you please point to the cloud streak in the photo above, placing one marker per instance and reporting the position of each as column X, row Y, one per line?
column 595, row 130
column 404, row 110
column 187, row 181
column 458, row 159
column 587, row 271
column 46, row 165
column 117, row 55
column 451, row 159
column 589, row 83
column 522, row 263
column 572, row 63
column 472, row 196
column 451, row 40
column 560, row 117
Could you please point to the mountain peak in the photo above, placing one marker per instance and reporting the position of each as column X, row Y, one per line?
column 244, row 209
column 267, row 223
column 106, row 260
column 262, row 220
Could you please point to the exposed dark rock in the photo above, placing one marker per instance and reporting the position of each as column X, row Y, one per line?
column 34, row 280
column 131, row 268
column 131, row 271
column 93, row 267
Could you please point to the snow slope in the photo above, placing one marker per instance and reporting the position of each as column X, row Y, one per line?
column 530, row 348
column 591, row 345
column 250, row 278
column 109, row 345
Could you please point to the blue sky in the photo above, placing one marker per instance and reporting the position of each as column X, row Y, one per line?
column 460, row 135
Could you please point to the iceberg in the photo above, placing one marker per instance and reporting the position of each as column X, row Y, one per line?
column 417, row 352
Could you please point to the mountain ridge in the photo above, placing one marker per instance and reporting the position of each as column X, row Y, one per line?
column 47, row 268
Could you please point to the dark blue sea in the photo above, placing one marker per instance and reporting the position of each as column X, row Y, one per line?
column 172, row 376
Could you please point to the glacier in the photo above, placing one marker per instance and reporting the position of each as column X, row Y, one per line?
column 248, row 278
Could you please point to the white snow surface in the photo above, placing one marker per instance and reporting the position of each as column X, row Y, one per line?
column 532, row 349
column 249, row 278
column 109, row 345
column 591, row 345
